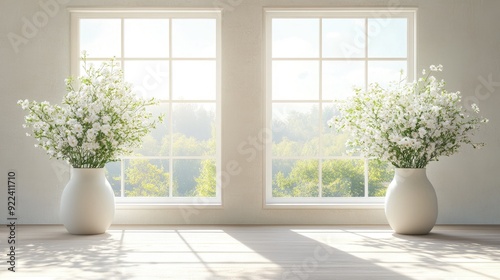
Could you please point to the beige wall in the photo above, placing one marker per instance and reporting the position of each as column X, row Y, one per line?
column 462, row 35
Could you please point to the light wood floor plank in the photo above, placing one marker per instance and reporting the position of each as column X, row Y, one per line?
column 254, row 252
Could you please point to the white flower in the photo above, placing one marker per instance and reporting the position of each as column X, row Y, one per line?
column 79, row 112
column 94, row 108
column 24, row 104
column 60, row 121
column 96, row 127
column 475, row 108
column 435, row 108
column 106, row 119
column 106, row 129
column 78, row 128
column 72, row 122
column 92, row 118
column 406, row 141
column 422, row 132
column 72, row 141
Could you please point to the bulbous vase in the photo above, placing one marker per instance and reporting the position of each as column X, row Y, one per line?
column 411, row 205
column 87, row 202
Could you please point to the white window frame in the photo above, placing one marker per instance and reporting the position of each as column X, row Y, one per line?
column 276, row 13
column 111, row 13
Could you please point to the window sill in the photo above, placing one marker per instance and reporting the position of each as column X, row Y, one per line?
column 320, row 206
column 152, row 206
column 125, row 203
column 325, row 203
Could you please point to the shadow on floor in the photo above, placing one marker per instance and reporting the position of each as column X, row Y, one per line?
column 307, row 253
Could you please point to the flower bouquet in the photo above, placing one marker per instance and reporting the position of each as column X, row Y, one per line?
column 408, row 124
column 99, row 119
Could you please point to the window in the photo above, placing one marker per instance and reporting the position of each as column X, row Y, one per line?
column 173, row 56
column 312, row 58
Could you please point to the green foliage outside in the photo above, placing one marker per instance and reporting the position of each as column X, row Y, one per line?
column 146, row 179
column 206, row 182
column 150, row 178
column 340, row 178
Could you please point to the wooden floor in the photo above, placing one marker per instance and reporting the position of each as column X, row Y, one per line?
column 254, row 252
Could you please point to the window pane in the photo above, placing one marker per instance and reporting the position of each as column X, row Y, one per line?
column 157, row 142
column 387, row 37
column 334, row 142
column 343, row 178
column 344, row 38
column 193, row 38
column 206, row 180
column 295, row 178
column 193, row 129
column 384, row 72
column 295, row 80
column 295, row 129
column 194, row 177
column 146, row 178
column 100, row 37
column 354, row 52
column 113, row 174
column 380, row 175
column 172, row 58
column 146, row 37
column 295, row 38
column 149, row 78
column 193, row 80
column 340, row 77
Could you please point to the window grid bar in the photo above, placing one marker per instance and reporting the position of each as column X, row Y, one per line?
column 366, row 54
column 168, row 157
column 122, row 65
column 122, row 43
column 320, row 108
column 184, row 101
column 122, row 181
column 366, row 88
column 340, row 58
column 303, row 101
column 366, row 175
column 154, row 58
column 170, row 113
column 317, row 157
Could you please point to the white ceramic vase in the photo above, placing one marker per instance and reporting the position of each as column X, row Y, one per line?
column 411, row 204
column 87, row 202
